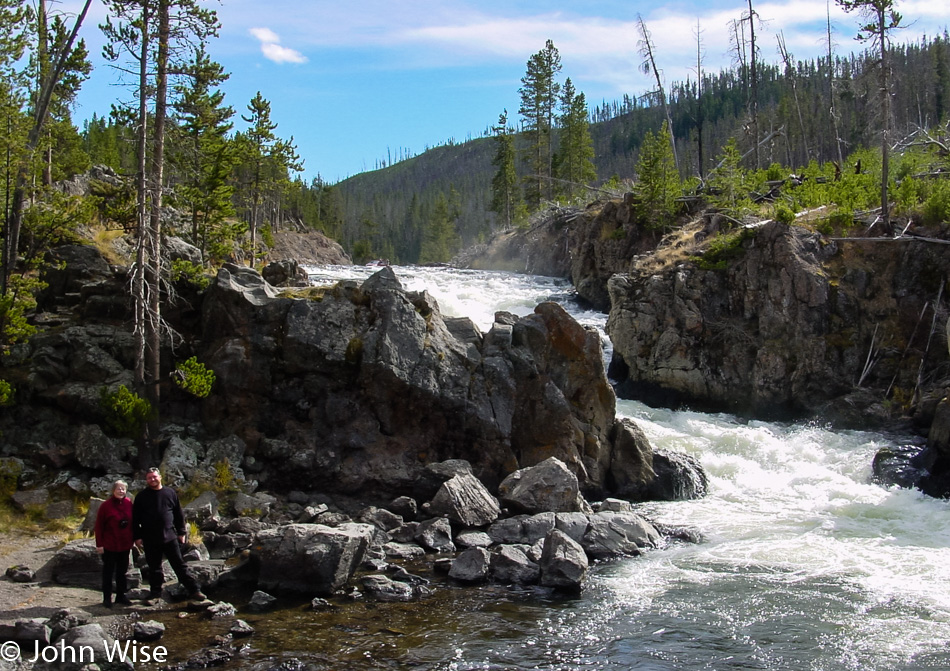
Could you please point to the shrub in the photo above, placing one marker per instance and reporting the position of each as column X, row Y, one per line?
column 6, row 393
column 724, row 248
column 125, row 411
column 194, row 377
column 937, row 205
column 784, row 214
column 192, row 273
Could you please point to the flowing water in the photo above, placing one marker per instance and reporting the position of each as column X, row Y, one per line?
column 804, row 564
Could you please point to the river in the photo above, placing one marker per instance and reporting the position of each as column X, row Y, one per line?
column 804, row 564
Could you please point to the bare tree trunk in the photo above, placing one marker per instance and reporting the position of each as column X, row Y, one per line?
column 831, row 92
column 793, row 77
column 650, row 66
column 886, row 121
column 153, row 267
column 699, row 101
column 139, row 286
column 753, row 87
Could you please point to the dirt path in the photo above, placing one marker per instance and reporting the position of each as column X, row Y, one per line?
column 42, row 598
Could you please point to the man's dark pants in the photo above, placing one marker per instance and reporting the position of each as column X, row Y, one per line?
column 154, row 552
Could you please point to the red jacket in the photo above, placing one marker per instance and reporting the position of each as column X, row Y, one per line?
column 114, row 525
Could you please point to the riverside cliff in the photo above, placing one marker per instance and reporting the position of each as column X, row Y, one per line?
column 351, row 388
column 760, row 318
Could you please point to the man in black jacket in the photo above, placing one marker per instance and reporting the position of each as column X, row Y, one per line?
column 158, row 527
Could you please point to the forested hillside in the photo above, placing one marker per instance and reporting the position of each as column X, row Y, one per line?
column 799, row 109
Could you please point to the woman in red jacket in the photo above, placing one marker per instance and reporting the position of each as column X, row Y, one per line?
column 113, row 542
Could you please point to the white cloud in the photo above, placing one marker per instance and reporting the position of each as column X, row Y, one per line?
column 272, row 48
column 265, row 35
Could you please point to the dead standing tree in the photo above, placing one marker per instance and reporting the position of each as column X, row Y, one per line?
column 649, row 67
column 881, row 19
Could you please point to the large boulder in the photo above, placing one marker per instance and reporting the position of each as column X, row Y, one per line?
column 612, row 534
column 370, row 384
column 309, row 559
column 466, row 501
column 547, row 487
column 563, row 563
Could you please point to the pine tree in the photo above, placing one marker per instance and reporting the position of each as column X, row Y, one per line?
column 204, row 154
column 575, row 157
column 658, row 183
column 539, row 96
column 440, row 241
column 58, row 54
column 504, row 185
column 267, row 160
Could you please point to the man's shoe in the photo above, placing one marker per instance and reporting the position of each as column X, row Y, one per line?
column 107, row 602
column 124, row 600
column 198, row 595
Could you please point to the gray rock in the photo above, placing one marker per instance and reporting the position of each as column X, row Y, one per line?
column 563, row 562
column 403, row 551
column 404, row 506
column 21, row 573
column 508, row 530
column 573, row 524
column 619, row 534
column 309, row 558
column 466, row 501
column 221, row 610
column 436, row 535
column 203, row 508
column 473, row 539
column 471, row 565
column 547, row 487
column 384, row 589
column 261, row 602
column 510, row 564
column 180, row 459
column 77, row 564
column 240, row 629
column 30, row 497
column 176, row 249
column 95, row 450
column 148, row 630
column 32, row 631
column 380, row 518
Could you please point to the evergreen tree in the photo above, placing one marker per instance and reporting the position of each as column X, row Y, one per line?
column 56, row 77
column 205, row 156
column 575, row 157
column 539, row 97
column 440, row 240
column 504, row 185
column 658, row 183
column 267, row 160
column 727, row 181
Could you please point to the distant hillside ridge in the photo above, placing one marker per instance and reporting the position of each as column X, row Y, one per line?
column 387, row 211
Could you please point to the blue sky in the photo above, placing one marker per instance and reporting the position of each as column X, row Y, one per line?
column 354, row 80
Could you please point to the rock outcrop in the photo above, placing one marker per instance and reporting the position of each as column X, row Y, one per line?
column 351, row 388
column 791, row 325
column 361, row 386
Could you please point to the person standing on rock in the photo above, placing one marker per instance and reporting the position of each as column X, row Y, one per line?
column 158, row 527
column 114, row 541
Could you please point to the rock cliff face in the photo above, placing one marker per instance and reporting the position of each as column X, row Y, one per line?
column 794, row 323
column 362, row 385
column 351, row 388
